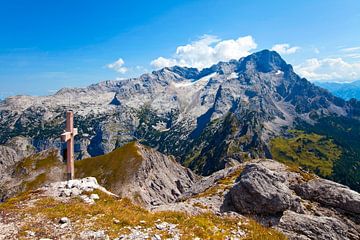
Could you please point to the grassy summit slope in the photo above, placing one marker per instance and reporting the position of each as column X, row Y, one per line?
column 41, row 217
column 113, row 168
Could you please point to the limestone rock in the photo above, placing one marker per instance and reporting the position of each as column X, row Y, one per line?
column 94, row 196
column 263, row 191
column 300, row 226
column 330, row 194
column 64, row 220
column 72, row 188
column 96, row 235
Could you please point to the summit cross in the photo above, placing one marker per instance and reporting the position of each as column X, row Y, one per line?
column 68, row 137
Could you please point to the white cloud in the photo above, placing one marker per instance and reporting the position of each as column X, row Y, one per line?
column 353, row 55
column 329, row 69
column 284, row 48
column 161, row 62
column 207, row 51
column 118, row 66
column 351, row 49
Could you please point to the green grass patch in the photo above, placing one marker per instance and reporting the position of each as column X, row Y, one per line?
column 311, row 152
column 112, row 169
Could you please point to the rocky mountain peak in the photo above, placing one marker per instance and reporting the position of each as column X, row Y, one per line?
column 185, row 72
column 264, row 61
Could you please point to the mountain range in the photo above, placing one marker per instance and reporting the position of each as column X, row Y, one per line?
column 231, row 112
column 343, row 90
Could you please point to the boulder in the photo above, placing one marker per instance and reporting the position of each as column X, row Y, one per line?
column 263, row 191
column 330, row 194
column 301, row 226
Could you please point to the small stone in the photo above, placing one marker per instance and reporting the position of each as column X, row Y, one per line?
column 161, row 226
column 94, row 235
column 156, row 237
column 30, row 233
column 116, row 221
column 65, row 193
column 142, row 222
column 171, row 226
column 75, row 192
column 87, row 200
column 94, row 196
column 64, row 220
column 64, row 225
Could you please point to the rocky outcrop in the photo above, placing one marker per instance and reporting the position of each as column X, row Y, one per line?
column 263, row 191
column 304, row 227
column 330, row 194
column 159, row 179
column 8, row 157
column 140, row 173
column 300, row 205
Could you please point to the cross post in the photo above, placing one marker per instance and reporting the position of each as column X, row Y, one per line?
column 68, row 137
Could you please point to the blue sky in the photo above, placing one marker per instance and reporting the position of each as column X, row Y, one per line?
column 46, row 45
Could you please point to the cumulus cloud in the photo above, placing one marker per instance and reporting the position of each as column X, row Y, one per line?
column 161, row 62
column 284, row 48
column 207, row 51
column 118, row 66
column 335, row 69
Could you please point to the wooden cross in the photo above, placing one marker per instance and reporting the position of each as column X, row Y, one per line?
column 68, row 137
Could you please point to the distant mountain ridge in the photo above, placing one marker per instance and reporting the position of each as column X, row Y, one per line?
column 207, row 119
column 343, row 90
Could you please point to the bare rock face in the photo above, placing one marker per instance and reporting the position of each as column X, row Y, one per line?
column 261, row 190
column 331, row 194
column 304, row 227
column 8, row 157
column 160, row 179
column 22, row 146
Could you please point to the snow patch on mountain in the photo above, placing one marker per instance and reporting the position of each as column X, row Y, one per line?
column 198, row 83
